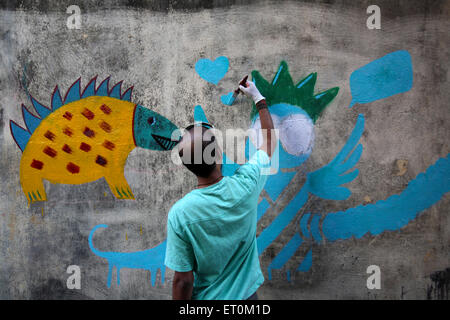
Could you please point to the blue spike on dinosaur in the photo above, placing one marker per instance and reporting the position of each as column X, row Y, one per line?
column 56, row 99
column 42, row 110
column 102, row 90
column 127, row 95
column 20, row 135
column 116, row 90
column 31, row 121
column 74, row 93
column 89, row 90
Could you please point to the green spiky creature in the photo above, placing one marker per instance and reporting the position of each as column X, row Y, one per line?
column 294, row 108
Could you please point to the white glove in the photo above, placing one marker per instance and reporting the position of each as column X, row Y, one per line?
column 252, row 91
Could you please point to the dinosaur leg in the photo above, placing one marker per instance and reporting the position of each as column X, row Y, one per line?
column 119, row 186
column 33, row 188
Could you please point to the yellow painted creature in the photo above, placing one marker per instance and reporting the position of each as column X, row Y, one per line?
column 86, row 136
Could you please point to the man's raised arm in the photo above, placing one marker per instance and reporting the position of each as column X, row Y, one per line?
column 269, row 137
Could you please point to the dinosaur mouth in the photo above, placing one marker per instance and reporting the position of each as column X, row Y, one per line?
column 164, row 142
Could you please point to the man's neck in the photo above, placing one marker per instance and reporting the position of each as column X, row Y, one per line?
column 213, row 178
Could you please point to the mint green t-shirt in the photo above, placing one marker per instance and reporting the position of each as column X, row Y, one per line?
column 212, row 231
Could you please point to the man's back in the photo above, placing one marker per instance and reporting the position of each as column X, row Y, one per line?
column 212, row 231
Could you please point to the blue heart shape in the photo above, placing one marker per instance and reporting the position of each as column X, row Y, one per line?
column 212, row 71
column 226, row 98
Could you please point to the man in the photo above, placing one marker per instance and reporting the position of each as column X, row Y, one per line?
column 211, row 231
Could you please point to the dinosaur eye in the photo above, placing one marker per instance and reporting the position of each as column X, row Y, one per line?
column 151, row 120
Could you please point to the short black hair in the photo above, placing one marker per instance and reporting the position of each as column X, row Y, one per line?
column 202, row 168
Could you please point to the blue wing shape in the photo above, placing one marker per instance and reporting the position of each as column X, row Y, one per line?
column 326, row 182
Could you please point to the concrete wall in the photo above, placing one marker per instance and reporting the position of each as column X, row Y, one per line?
column 154, row 45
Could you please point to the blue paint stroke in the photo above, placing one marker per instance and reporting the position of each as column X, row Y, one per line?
column 382, row 78
column 326, row 182
column 276, row 183
column 269, row 234
column 262, row 209
column 212, row 71
column 396, row 211
column 277, row 75
column 330, row 174
column 227, row 99
column 285, row 254
column 306, row 263
column 150, row 259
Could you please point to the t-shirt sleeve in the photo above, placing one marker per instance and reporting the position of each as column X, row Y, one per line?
column 253, row 174
column 179, row 253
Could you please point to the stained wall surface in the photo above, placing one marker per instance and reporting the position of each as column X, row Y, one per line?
column 321, row 223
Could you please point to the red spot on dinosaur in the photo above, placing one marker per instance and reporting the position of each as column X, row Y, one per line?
column 36, row 164
column 67, row 131
column 49, row 135
column 105, row 109
column 109, row 145
column 105, row 126
column 68, row 115
column 66, row 149
column 85, row 147
column 88, row 114
column 88, row 132
column 101, row 161
column 72, row 168
column 50, row 152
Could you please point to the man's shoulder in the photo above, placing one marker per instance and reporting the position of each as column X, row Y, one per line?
column 178, row 211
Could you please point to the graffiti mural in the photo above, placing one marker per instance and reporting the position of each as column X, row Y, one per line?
column 86, row 136
column 295, row 108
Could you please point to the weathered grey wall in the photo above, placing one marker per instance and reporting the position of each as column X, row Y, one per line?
column 154, row 46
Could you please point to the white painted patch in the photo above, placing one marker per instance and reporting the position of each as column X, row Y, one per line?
column 296, row 133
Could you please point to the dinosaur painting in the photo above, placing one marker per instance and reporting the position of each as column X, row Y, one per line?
column 86, row 136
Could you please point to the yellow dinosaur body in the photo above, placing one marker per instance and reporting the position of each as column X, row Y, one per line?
column 80, row 142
